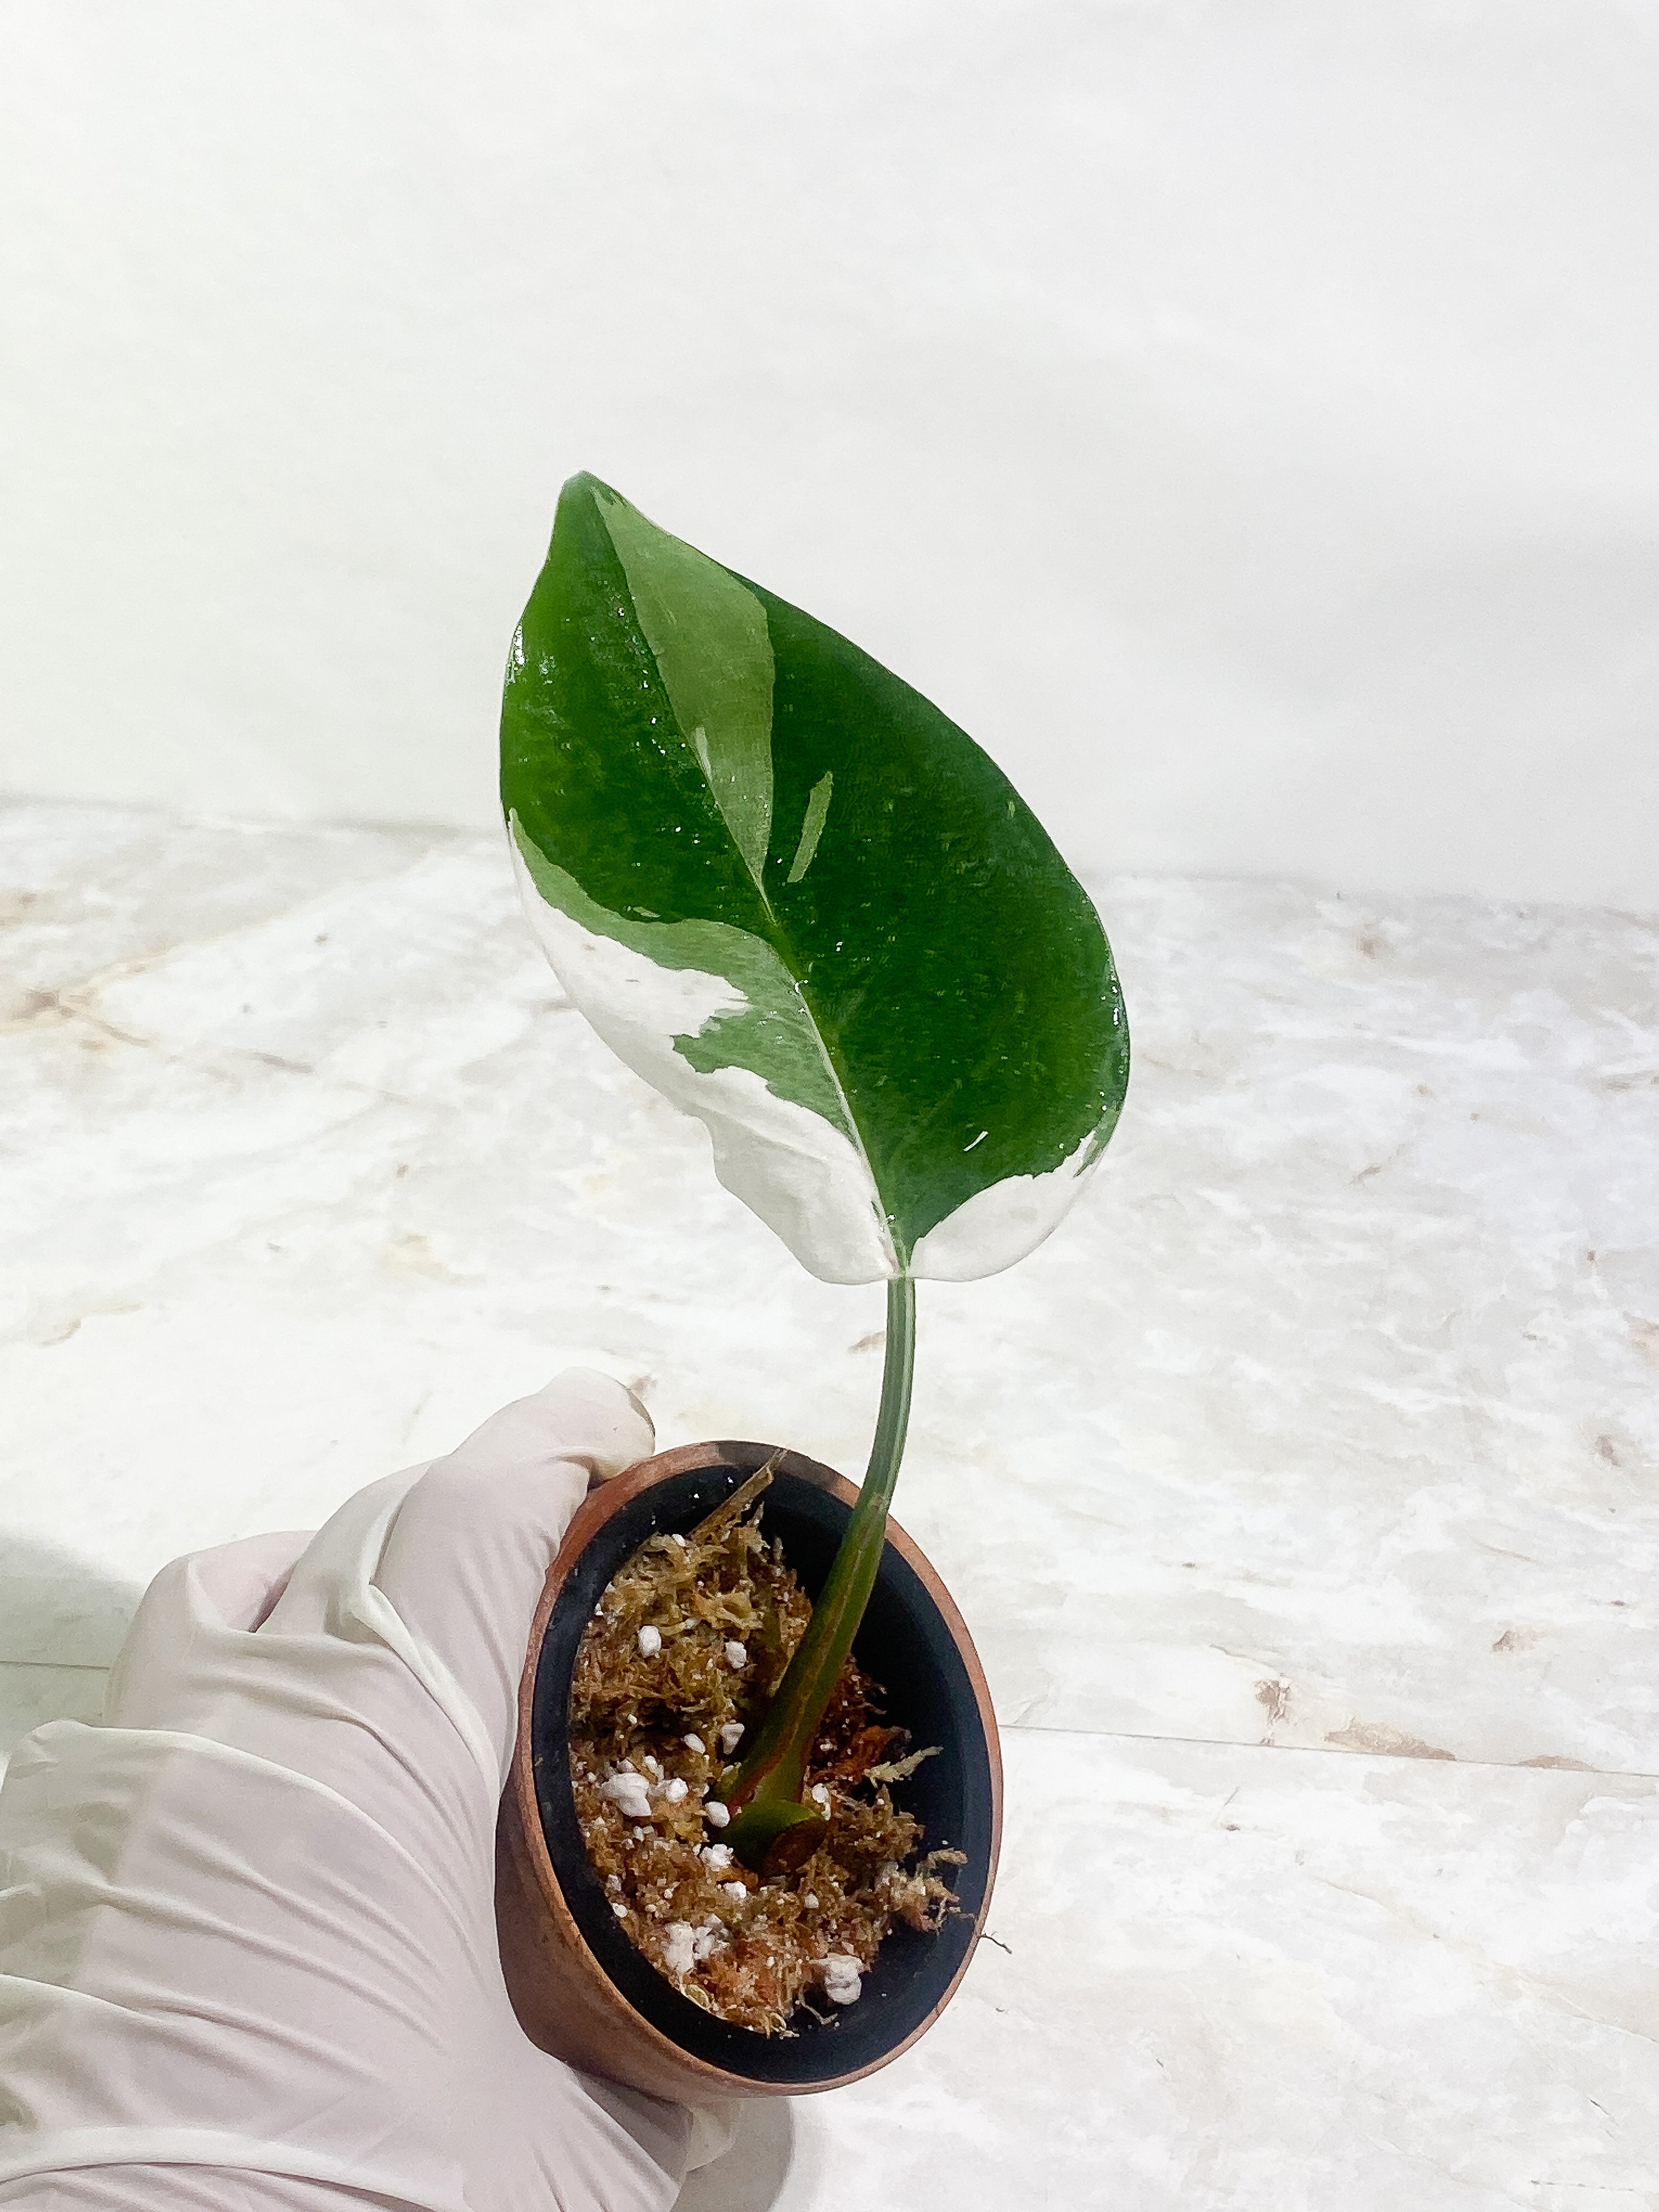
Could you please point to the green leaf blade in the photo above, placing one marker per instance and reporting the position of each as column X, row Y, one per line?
column 908, row 1043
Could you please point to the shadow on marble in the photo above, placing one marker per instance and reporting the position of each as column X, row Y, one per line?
column 31, row 1696
column 62, row 1621
column 752, row 2175
column 59, row 1610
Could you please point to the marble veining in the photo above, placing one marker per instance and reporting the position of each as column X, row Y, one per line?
column 1330, row 1418
column 1299, row 1493
column 1237, row 1978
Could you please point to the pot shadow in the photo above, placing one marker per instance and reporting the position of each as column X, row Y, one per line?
column 62, row 1622
column 750, row 2176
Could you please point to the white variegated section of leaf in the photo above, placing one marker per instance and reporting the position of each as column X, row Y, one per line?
column 805, row 1178
column 1003, row 1222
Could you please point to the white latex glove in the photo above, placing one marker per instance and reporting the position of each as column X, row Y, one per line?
column 248, row 1929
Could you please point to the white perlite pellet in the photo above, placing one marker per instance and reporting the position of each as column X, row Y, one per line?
column 842, row 1984
column 820, row 1796
column 628, row 1792
column 715, row 1813
column 736, row 1891
column 650, row 1642
column 717, row 1858
column 679, row 1948
column 731, row 1736
column 737, row 1654
column 675, row 1791
column 694, row 1743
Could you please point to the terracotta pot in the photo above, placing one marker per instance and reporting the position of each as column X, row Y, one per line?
column 579, row 1988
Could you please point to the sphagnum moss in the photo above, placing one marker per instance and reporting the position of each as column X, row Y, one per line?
column 654, row 1717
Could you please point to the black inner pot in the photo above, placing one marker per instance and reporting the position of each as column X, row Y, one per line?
column 904, row 1644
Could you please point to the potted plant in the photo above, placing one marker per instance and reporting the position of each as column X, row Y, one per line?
column 802, row 903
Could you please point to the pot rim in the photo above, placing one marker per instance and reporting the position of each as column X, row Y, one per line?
column 665, row 2057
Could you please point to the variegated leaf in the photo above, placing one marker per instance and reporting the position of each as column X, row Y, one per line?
column 805, row 905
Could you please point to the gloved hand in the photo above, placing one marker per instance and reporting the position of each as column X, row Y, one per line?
column 247, row 1933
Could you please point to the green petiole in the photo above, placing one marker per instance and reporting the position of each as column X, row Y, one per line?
column 771, row 1829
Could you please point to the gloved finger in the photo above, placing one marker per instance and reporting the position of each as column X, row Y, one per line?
column 201, row 1623
column 234, row 1586
column 242, row 1581
column 582, row 1416
column 713, row 2132
column 468, row 1548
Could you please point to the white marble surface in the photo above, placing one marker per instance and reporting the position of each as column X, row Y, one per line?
column 1324, row 1430
column 1284, row 1981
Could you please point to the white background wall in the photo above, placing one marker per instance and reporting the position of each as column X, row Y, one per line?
column 1240, row 413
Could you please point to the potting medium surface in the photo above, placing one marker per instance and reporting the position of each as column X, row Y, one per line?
column 904, row 1643
column 677, row 1669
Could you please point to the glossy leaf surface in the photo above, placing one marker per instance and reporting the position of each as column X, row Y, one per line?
column 797, row 898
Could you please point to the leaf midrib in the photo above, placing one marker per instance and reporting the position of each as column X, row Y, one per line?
column 784, row 945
